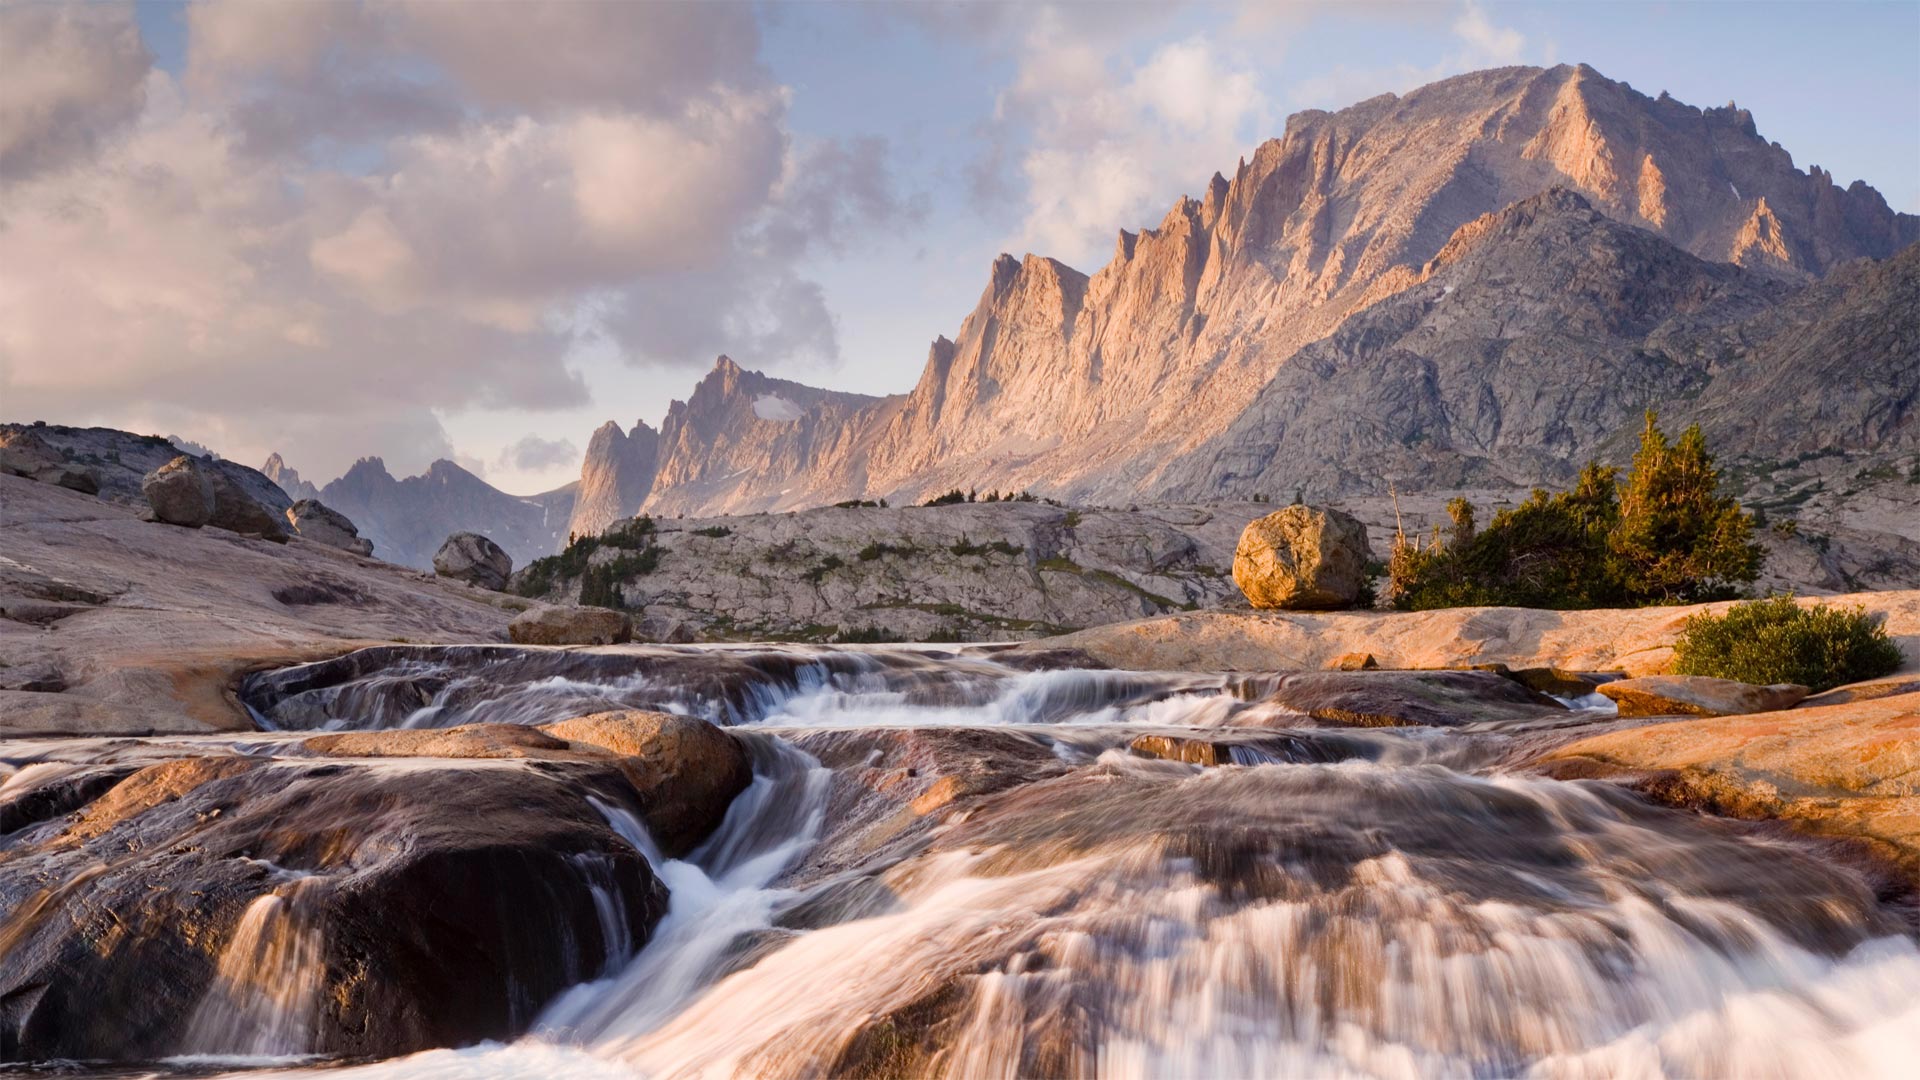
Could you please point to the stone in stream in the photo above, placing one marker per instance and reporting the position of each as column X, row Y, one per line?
column 1698, row 695
column 551, row 624
column 683, row 770
column 474, row 559
column 1302, row 558
column 239, row 905
column 1400, row 698
column 180, row 493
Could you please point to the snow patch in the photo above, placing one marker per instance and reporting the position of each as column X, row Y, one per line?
column 775, row 407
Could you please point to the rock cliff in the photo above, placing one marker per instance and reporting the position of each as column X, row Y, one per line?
column 615, row 478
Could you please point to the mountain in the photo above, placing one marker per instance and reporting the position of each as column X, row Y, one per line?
column 1159, row 374
column 615, row 478
column 409, row 519
column 278, row 471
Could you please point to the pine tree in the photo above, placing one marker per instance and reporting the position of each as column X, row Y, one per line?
column 1678, row 539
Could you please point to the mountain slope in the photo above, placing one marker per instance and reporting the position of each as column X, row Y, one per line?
column 615, row 478
column 1088, row 387
column 409, row 519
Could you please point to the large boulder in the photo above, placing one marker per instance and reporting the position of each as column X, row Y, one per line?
column 314, row 520
column 474, row 559
column 234, row 905
column 1698, row 695
column 556, row 625
column 685, row 770
column 1303, row 558
column 26, row 454
column 180, row 492
column 237, row 511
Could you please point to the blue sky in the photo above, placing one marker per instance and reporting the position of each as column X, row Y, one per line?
column 358, row 200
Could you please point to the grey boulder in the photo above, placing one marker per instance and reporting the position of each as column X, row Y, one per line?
column 180, row 493
column 314, row 520
column 237, row 511
column 474, row 559
column 570, row 626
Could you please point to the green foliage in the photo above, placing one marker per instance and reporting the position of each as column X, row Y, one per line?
column 714, row 531
column 951, row 498
column 1071, row 521
column 1680, row 540
column 1664, row 535
column 878, row 550
column 866, row 635
column 542, row 575
column 856, row 504
column 968, row 547
column 1776, row 640
column 826, row 566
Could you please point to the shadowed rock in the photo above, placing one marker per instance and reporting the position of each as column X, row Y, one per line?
column 180, row 493
column 474, row 559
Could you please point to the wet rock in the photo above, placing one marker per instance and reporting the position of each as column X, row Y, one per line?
column 313, row 520
column 550, row 625
column 684, row 771
column 180, row 493
column 237, row 511
column 386, row 910
column 1553, row 680
column 472, row 558
column 1698, row 695
column 1175, row 748
column 1355, row 661
column 1403, row 698
column 465, row 741
column 1302, row 558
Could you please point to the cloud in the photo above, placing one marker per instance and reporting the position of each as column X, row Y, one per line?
column 74, row 74
column 1111, row 142
column 345, row 220
column 1477, row 43
column 535, row 454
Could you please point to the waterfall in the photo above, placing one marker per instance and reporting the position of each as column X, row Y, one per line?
column 266, row 993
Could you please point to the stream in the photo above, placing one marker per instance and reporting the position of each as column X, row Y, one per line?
column 952, row 864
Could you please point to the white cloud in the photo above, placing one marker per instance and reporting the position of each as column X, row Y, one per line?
column 70, row 74
column 1112, row 143
column 213, row 267
column 1477, row 43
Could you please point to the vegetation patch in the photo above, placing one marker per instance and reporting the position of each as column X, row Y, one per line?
column 967, row 547
column 714, row 531
column 1776, row 640
column 542, row 575
column 826, row 566
column 879, row 550
column 1664, row 535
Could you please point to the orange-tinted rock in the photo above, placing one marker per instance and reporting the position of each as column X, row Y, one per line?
column 1698, row 695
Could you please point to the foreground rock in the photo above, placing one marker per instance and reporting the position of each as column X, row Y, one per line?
column 239, row 905
column 1302, row 558
column 141, row 628
column 180, row 493
column 1697, row 695
column 550, row 625
column 474, row 559
column 1849, row 770
column 684, row 771
column 237, row 511
column 313, row 520
column 1637, row 641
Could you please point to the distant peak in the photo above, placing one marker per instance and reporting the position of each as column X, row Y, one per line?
column 725, row 364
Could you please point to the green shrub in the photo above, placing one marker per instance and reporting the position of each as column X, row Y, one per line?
column 542, row 575
column 714, row 531
column 1776, row 640
column 827, row 566
column 878, row 550
column 951, row 498
column 967, row 547
column 1664, row 535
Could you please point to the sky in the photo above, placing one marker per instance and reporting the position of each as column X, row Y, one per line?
column 477, row 230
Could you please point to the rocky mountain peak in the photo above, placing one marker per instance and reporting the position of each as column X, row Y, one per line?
column 616, row 477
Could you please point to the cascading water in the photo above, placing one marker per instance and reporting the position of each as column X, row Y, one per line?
column 1391, row 902
column 264, row 999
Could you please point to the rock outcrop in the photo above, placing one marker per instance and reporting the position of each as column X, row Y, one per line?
column 1303, row 558
column 118, row 461
column 555, row 625
column 474, row 559
column 1697, row 695
column 180, row 493
column 615, row 478
column 283, row 475
column 313, row 520
column 237, row 511
column 23, row 453
column 1128, row 383
column 684, row 771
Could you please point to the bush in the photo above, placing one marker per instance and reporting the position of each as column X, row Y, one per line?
column 542, row 575
column 1776, row 640
column 1664, row 535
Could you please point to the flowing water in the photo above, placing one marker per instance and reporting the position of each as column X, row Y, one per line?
column 1390, row 902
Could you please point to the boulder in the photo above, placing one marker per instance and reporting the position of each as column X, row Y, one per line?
column 1553, row 680
column 232, row 905
column 664, row 629
column 1302, row 558
column 26, row 454
column 474, row 559
column 553, row 625
column 685, row 770
column 237, row 511
column 314, row 520
column 1698, row 695
column 1355, row 661
column 180, row 493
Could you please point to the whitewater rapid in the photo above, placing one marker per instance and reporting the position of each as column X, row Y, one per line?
column 1397, row 904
